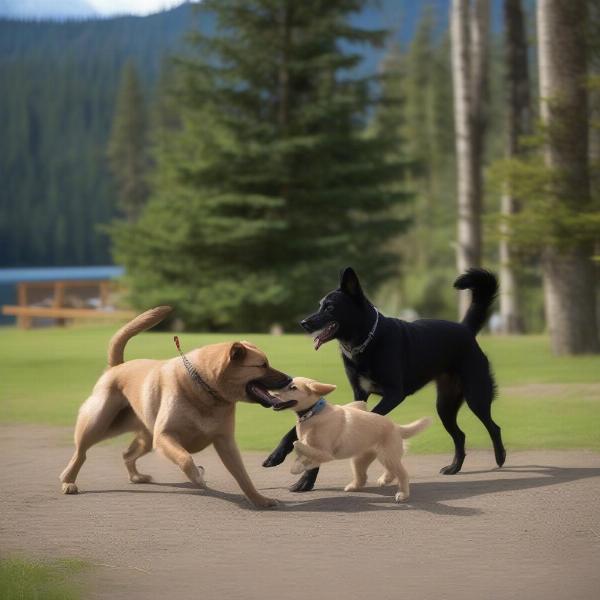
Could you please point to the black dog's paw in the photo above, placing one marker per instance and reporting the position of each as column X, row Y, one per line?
column 452, row 469
column 500, row 456
column 275, row 458
column 305, row 483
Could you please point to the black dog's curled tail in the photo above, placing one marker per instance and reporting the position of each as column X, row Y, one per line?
column 484, row 288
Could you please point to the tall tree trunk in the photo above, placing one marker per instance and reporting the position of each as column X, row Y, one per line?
column 469, row 22
column 568, row 274
column 518, row 122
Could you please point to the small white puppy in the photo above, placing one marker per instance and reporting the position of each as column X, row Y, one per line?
column 328, row 432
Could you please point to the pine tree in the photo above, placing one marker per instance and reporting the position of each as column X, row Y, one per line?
column 127, row 151
column 267, row 184
column 469, row 29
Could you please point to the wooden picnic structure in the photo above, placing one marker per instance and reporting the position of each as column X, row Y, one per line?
column 63, row 299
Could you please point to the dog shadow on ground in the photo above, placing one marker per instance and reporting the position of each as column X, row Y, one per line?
column 184, row 487
column 431, row 496
column 428, row 496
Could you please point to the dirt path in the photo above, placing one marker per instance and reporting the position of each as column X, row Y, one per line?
column 531, row 530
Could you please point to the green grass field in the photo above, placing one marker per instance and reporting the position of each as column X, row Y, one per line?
column 27, row 580
column 543, row 402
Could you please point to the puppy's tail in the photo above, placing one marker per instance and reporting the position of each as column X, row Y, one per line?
column 484, row 288
column 407, row 431
column 146, row 320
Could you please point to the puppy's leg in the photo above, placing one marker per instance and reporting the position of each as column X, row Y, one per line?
column 315, row 455
column 389, row 457
column 175, row 452
column 449, row 400
column 307, row 481
column 141, row 445
column 230, row 455
column 385, row 479
column 403, row 483
column 360, row 464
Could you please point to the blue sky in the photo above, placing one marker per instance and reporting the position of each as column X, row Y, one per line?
column 137, row 7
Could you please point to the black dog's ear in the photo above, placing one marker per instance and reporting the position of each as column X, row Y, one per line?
column 349, row 282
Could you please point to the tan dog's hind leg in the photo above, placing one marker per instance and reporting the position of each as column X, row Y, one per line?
column 175, row 452
column 360, row 464
column 229, row 453
column 93, row 425
column 140, row 446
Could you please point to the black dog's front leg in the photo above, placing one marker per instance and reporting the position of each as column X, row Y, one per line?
column 285, row 446
column 389, row 401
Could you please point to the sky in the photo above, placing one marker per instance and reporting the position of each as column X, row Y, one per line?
column 136, row 7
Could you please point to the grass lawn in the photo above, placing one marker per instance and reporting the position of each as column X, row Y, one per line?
column 543, row 401
column 25, row 580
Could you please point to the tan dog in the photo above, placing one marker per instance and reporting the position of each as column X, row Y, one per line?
column 327, row 432
column 175, row 409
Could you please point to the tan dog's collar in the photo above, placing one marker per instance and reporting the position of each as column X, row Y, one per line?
column 193, row 373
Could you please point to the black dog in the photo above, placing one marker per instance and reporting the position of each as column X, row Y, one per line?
column 394, row 359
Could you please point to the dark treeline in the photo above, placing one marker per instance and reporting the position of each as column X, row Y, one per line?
column 58, row 86
column 58, row 90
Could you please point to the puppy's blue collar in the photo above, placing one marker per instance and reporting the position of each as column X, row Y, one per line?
column 315, row 409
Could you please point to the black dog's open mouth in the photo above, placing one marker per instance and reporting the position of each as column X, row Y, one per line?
column 325, row 335
column 259, row 393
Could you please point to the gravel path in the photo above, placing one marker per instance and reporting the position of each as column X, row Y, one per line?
column 530, row 530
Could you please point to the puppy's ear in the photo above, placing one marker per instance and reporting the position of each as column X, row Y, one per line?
column 322, row 389
column 349, row 282
column 237, row 352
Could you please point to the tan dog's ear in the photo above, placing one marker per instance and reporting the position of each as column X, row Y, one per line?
column 321, row 388
column 237, row 352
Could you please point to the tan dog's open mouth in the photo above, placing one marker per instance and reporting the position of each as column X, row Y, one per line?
column 325, row 335
column 259, row 393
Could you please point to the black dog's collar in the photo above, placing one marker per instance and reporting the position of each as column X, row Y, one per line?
column 360, row 349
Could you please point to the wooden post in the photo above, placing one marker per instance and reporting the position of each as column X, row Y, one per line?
column 59, row 299
column 104, row 293
column 23, row 322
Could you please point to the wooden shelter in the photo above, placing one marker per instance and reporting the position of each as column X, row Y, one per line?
column 62, row 293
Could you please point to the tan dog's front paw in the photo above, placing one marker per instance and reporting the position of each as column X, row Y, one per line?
column 198, row 480
column 140, row 478
column 401, row 497
column 263, row 502
column 69, row 488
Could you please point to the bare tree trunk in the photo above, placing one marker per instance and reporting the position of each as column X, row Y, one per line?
column 518, row 122
column 568, row 274
column 469, row 24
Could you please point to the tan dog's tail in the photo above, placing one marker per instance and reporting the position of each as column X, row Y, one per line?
column 407, row 431
column 146, row 320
